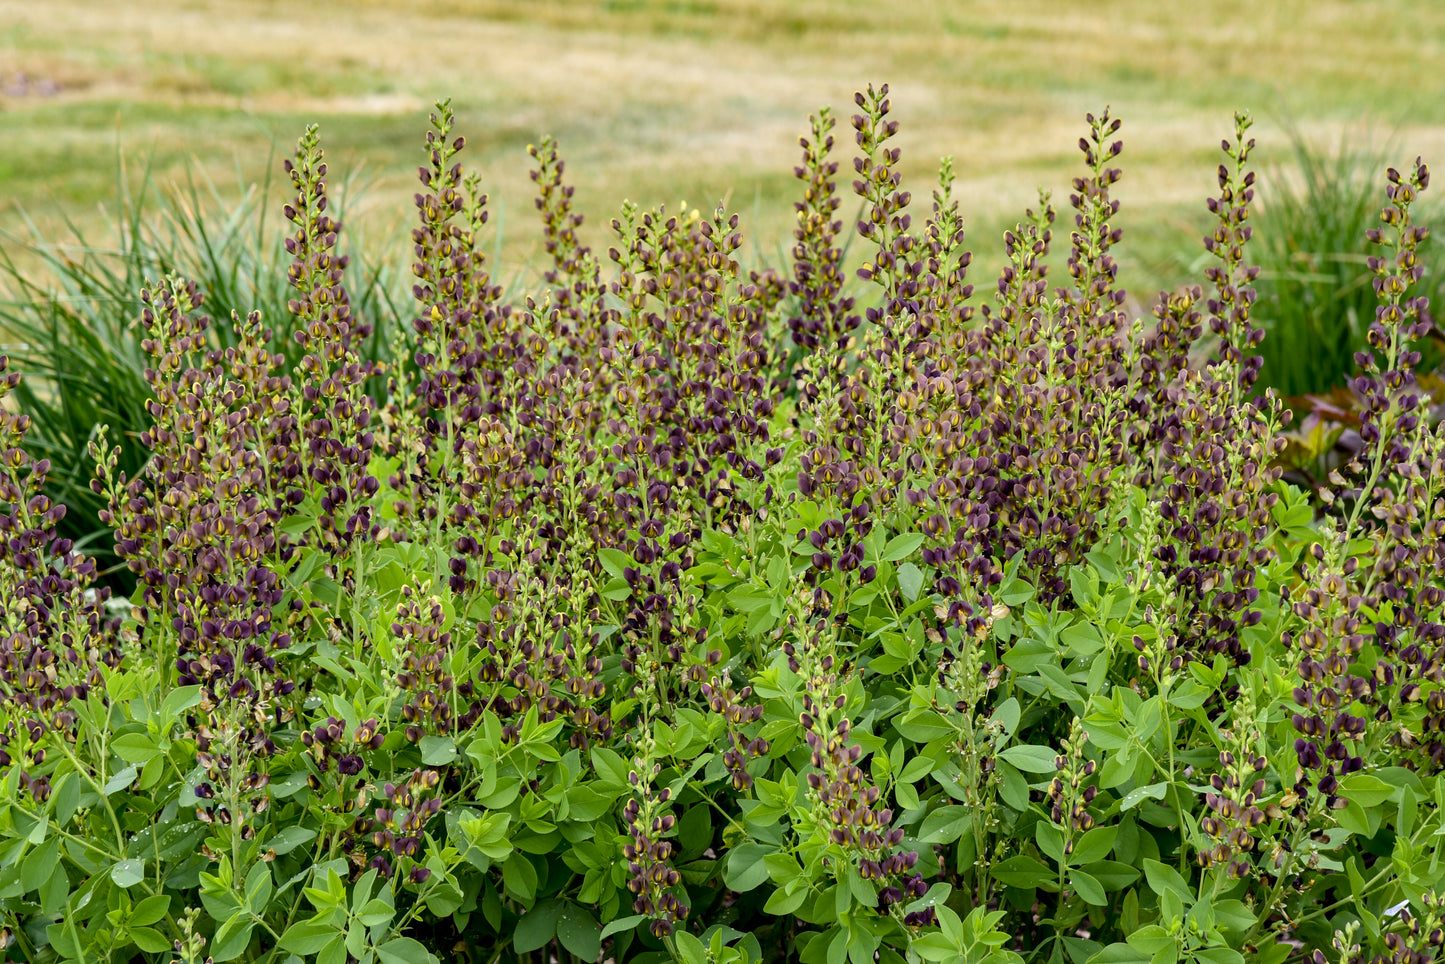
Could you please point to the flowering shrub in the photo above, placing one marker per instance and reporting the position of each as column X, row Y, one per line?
column 681, row 613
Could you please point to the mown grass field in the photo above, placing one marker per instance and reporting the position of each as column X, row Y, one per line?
column 699, row 100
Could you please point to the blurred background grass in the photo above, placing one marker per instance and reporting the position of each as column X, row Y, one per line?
column 698, row 100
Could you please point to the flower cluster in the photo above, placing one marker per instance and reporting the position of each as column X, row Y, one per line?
column 199, row 526
column 55, row 634
column 333, row 410
column 1069, row 795
column 825, row 317
column 732, row 706
column 949, row 522
column 652, row 878
column 1236, row 804
column 1215, row 446
column 399, row 828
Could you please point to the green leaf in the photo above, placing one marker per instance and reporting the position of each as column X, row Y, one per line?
column 610, row 766
column 945, row 825
column 1164, row 879
column 1088, row 888
column 135, row 747
column 148, row 939
column 1119, row 954
column 233, row 938
column 258, row 887
column 690, row 948
column 308, row 936
column 1081, row 639
column 120, row 781
column 1234, row 915
column 67, row 798
column 1031, row 758
column 290, row 838
column 179, row 699
column 745, row 869
column 149, row 911
column 613, row 561
column 1050, row 839
column 438, row 750
column 334, row 952
column 375, row 912
column 622, row 924
column 1015, row 789
column 1093, row 845
column 1365, row 789
column 1113, row 874
column 127, row 873
column 63, row 941
column 910, row 580
column 38, row 866
column 1138, row 795
column 502, row 793
column 1150, row 938
column 916, row 769
column 444, row 896
column 404, row 950
column 586, row 804
column 901, row 547
column 537, row 926
column 784, row 901
column 579, row 932
column 1006, row 714
column 1356, row 819
column 519, row 877
column 1219, row 955
column 936, row 947
column 1022, row 871
column 924, row 725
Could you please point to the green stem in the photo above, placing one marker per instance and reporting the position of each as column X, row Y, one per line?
column 23, row 940
column 69, row 836
column 301, row 891
column 98, row 786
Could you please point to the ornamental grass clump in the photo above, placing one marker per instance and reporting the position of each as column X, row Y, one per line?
column 682, row 611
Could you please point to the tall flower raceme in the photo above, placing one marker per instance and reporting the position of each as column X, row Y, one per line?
column 890, row 343
column 1163, row 355
column 1056, row 370
column 731, row 394
column 577, row 295
column 945, row 288
column 846, row 818
column 1218, row 446
column 966, row 438
column 530, row 654
column 824, row 316
column 55, row 633
column 199, row 527
column 690, row 406
column 460, row 478
column 885, row 220
column 333, row 410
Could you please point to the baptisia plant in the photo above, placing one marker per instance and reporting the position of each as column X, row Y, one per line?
column 676, row 610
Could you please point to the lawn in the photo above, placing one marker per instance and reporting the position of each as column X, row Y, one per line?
column 663, row 101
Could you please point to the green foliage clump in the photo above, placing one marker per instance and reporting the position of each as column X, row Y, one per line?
column 677, row 612
column 1316, row 297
